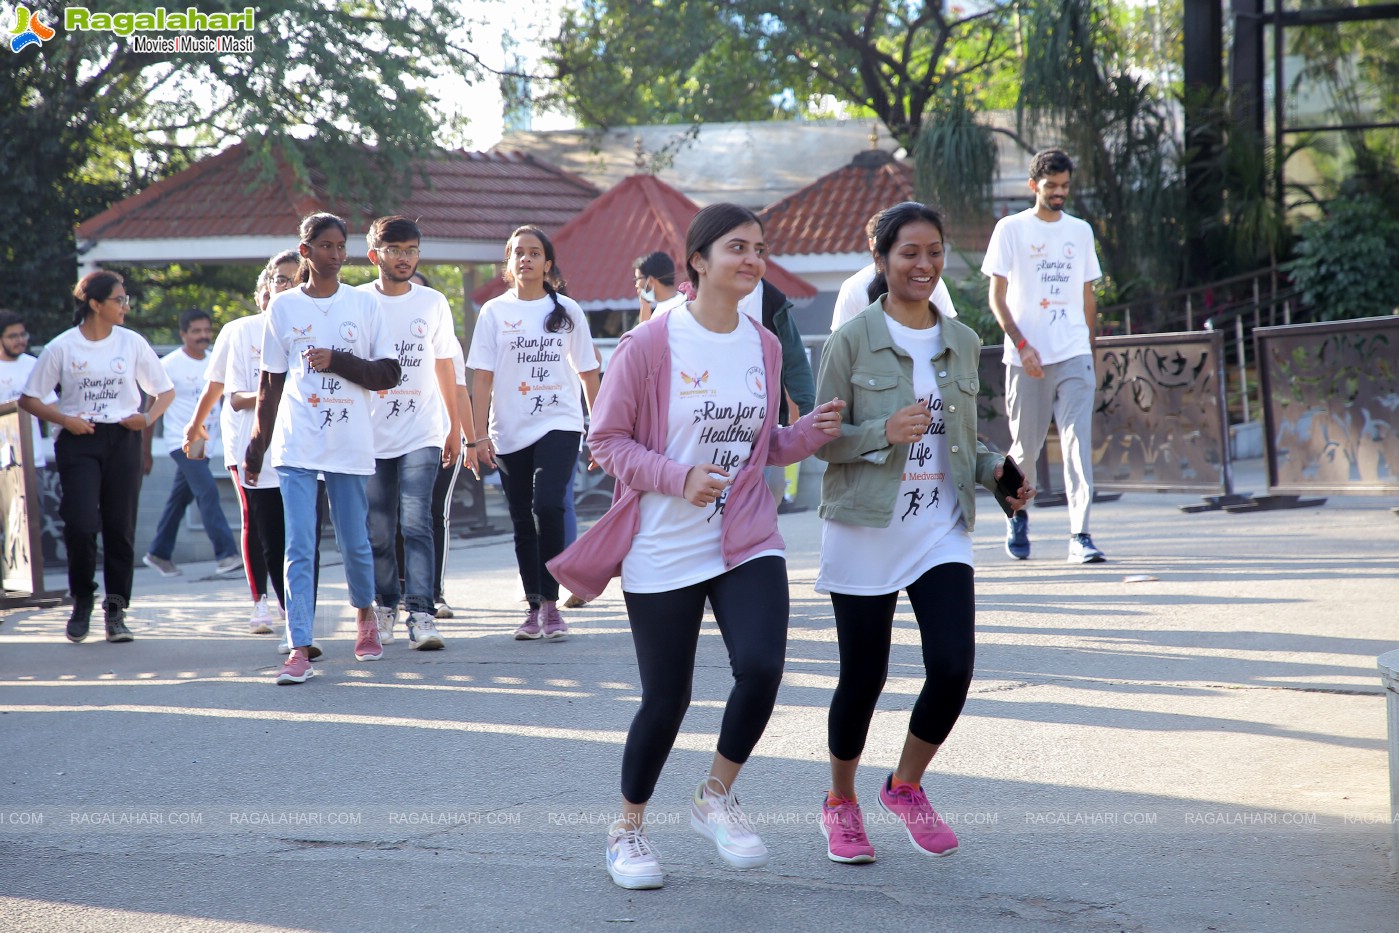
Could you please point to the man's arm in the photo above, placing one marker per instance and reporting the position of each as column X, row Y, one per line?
column 447, row 385
column 269, row 399
column 1090, row 315
column 1000, row 307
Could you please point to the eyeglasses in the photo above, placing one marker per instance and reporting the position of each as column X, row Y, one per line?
column 123, row 300
column 282, row 281
column 394, row 252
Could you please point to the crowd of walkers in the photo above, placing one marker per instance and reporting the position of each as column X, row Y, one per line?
column 703, row 400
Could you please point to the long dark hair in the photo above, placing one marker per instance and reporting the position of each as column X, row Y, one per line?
column 311, row 227
column 554, row 284
column 710, row 224
column 95, row 286
column 886, row 232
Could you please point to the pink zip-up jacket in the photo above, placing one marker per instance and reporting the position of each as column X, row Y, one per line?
column 628, row 435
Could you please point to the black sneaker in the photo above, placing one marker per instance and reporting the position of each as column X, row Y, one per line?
column 81, row 619
column 114, row 608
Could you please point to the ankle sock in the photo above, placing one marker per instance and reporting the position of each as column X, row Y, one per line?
column 895, row 784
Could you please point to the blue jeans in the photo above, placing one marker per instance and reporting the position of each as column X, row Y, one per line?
column 349, row 511
column 193, row 483
column 400, row 496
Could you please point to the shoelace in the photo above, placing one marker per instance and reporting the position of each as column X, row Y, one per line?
column 849, row 825
column 635, row 844
column 914, row 796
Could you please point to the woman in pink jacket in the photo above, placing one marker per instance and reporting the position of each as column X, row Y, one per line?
column 686, row 421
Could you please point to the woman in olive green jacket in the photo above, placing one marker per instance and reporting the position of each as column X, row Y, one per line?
column 898, row 504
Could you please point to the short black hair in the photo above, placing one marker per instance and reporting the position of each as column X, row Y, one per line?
column 392, row 229
column 9, row 319
column 188, row 318
column 1050, row 162
column 657, row 265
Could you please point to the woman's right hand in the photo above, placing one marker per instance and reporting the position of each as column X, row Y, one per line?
column 701, row 489
column 908, row 424
column 75, row 425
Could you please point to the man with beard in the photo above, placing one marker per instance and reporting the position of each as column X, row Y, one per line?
column 1042, row 266
column 417, row 431
column 193, row 480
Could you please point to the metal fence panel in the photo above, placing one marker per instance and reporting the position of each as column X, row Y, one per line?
column 1331, row 406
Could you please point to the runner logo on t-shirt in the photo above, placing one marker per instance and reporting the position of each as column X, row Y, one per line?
column 921, row 487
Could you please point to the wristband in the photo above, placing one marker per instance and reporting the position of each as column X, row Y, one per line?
column 1021, row 345
column 472, row 444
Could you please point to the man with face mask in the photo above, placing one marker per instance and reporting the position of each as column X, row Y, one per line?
column 655, row 285
column 193, row 481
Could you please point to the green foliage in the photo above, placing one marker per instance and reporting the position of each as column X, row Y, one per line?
column 84, row 120
column 1344, row 263
column 955, row 159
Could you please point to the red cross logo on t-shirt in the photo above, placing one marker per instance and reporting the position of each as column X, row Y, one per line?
column 1044, row 302
column 524, row 388
column 314, row 399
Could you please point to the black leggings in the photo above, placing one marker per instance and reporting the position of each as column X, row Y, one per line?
column 99, row 476
column 750, row 605
column 534, row 479
column 944, row 605
column 268, row 521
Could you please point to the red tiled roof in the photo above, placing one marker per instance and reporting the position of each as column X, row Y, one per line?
column 596, row 248
column 829, row 215
column 455, row 195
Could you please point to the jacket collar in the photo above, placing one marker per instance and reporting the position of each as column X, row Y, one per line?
column 877, row 331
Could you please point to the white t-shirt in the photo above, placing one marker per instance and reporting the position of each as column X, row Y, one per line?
column 854, row 297
column 718, row 400
column 674, row 301
column 323, row 422
column 535, row 388
column 927, row 528
column 242, row 371
column 189, row 376
column 13, row 375
column 98, row 380
column 419, row 326
column 1046, row 266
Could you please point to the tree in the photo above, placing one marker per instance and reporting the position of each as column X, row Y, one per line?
column 1344, row 263
column 86, row 119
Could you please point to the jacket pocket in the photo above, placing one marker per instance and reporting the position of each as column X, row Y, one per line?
column 875, row 394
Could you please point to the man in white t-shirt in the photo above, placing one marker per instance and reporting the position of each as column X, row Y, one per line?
column 15, row 367
column 854, row 293
column 654, row 276
column 1042, row 265
column 417, row 431
column 193, row 482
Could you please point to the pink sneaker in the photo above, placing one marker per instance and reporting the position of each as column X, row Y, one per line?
column 530, row 628
column 297, row 670
column 843, row 825
column 367, row 646
column 554, row 626
column 926, row 830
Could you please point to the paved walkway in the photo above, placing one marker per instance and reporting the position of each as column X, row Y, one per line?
column 1201, row 749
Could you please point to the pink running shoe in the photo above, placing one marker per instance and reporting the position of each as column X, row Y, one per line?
column 926, row 830
column 367, row 645
column 297, row 670
column 554, row 627
column 530, row 628
column 843, row 825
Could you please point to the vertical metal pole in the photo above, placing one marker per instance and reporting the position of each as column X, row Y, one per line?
column 1279, row 113
column 1287, row 311
column 1189, row 313
column 1243, row 365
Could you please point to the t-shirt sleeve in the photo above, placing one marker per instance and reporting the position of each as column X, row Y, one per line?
column 44, row 376
column 380, row 339
column 217, row 370
column 459, row 363
column 998, row 250
column 1091, row 270
column 483, row 349
column 151, row 374
column 846, row 303
column 444, row 336
column 580, row 344
column 274, row 351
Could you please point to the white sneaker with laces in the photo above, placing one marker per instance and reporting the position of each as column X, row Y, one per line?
column 422, row 632
column 313, row 652
column 260, row 622
column 715, row 814
column 388, row 618
column 631, row 860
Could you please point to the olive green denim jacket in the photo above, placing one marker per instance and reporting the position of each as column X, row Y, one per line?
column 862, row 364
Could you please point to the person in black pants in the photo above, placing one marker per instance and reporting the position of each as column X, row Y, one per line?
column 100, row 370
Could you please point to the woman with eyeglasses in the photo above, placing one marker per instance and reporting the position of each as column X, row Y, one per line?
column 101, row 370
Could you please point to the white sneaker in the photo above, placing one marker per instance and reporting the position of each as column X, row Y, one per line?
column 715, row 814
column 166, row 568
column 230, row 564
column 422, row 632
column 312, row 652
column 631, row 861
column 260, row 622
column 388, row 618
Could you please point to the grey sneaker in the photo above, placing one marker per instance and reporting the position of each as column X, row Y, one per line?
column 1082, row 551
column 422, row 632
column 230, row 564
column 166, row 568
column 444, row 611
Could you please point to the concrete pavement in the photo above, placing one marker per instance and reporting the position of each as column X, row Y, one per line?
column 1200, row 750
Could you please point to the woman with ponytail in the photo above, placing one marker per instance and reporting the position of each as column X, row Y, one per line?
column 102, row 369
column 535, row 343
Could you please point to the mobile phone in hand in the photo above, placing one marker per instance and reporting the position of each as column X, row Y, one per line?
column 1011, row 479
